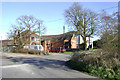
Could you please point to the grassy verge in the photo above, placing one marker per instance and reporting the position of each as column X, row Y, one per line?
column 75, row 51
column 62, row 52
column 110, row 74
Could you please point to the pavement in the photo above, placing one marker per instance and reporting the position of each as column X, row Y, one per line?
column 15, row 65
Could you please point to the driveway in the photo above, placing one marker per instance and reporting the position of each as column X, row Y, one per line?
column 33, row 66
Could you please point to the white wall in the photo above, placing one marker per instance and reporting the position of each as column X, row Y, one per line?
column 80, row 40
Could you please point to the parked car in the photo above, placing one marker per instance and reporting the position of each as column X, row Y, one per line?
column 36, row 47
column 58, row 50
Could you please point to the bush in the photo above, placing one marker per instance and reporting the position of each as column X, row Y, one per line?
column 29, row 51
column 97, row 44
column 20, row 50
column 37, row 52
column 94, row 70
column 98, row 63
column 77, row 66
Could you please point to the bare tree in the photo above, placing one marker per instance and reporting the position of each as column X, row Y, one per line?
column 108, row 23
column 25, row 23
column 31, row 23
column 83, row 20
column 109, row 32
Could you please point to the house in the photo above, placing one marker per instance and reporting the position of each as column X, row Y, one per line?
column 67, row 40
column 6, row 45
column 6, row 42
column 81, row 41
column 27, row 38
column 49, row 42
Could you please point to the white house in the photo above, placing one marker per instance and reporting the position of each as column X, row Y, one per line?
column 80, row 40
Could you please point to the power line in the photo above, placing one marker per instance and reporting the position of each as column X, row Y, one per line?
column 54, row 20
column 97, row 11
column 108, row 8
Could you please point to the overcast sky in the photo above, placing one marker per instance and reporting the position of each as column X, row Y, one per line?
column 52, row 13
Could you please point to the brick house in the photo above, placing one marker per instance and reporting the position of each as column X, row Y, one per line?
column 28, row 38
column 67, row 40
column 49, row 42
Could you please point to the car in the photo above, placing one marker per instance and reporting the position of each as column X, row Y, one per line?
column 36, row 47
column 58, row 50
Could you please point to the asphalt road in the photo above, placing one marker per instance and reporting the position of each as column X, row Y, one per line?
column 50, row 66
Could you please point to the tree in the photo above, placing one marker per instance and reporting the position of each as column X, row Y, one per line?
column 25, row 23
column 83, row 20
column 109, row 33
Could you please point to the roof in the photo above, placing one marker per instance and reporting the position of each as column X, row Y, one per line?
column 6, row 42
column 65, row 36
column 27, row 31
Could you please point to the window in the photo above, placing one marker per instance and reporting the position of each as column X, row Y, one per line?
column 35, row 47
column 37, row 38
column 32, row 38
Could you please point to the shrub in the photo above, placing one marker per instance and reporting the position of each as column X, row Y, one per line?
column 98, row 63
column 29, row 51
column 20, row 50
column 77, row 66
column 94, row 70
column 38, row 52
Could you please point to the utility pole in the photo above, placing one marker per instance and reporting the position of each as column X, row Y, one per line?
column 1, row 43
column 63, row 34
column 39, row 35
column 63, row 29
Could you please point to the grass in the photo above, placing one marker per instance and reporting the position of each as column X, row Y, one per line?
column 62, row 52
column 76, row 51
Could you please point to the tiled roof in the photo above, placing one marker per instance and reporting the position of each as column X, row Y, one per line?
column 6, row 41
column 65, row 36
column 27, row 31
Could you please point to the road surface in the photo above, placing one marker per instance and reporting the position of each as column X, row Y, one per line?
column 33, row 66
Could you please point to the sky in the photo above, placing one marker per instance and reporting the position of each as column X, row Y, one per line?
column 51, row 13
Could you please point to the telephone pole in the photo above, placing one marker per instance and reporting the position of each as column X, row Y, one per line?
column 63, row 34
column 39, row 35
column 1, row 44
column 63, row 29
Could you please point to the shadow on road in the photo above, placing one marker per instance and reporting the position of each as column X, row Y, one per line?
column 41, row 63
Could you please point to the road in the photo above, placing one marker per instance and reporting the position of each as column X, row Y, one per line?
column 33, row 66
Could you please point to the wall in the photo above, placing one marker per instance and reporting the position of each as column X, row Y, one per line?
column 73, row 42
column 49, row 45
column 56, row 44
column 79, row 40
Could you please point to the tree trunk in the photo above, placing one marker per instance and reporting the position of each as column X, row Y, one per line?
column 89, row 43
column 85, row 44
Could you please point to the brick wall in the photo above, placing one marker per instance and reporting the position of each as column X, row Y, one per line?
column 56, row 44
column 73, row 42
column 59, row 43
